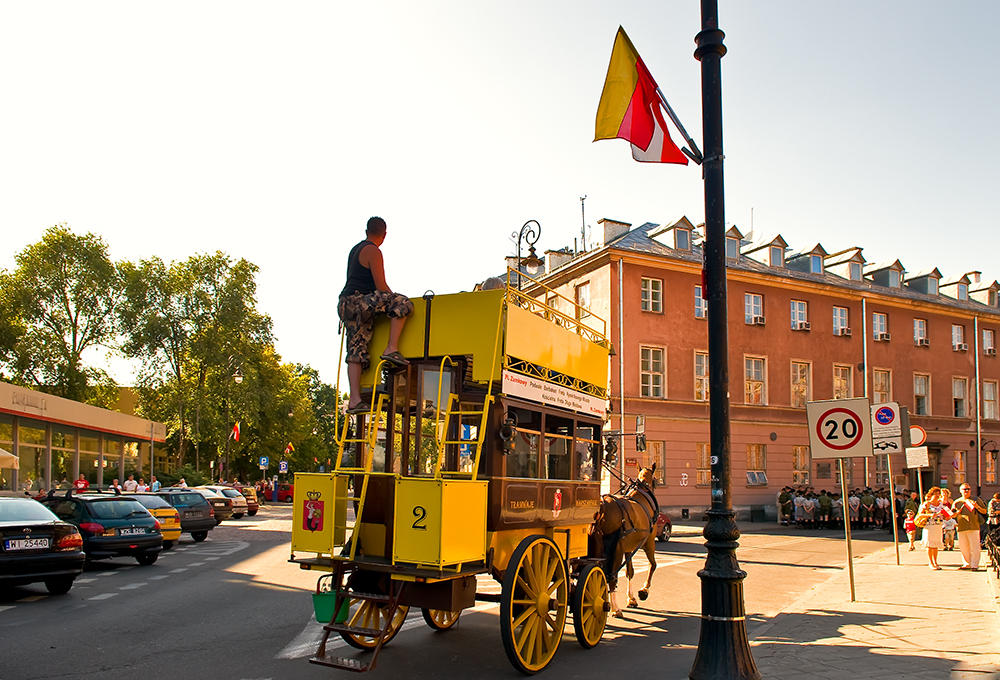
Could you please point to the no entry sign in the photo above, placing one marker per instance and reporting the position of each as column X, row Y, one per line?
column 840, row 428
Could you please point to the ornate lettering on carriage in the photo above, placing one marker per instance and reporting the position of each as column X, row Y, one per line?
column 522, row 505
column 587, row 502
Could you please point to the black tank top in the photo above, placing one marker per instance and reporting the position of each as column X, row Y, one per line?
column 359, row 277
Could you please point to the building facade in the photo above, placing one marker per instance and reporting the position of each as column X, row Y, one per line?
column 803, row 325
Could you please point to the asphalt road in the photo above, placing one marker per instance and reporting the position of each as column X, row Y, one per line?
column 233, row 608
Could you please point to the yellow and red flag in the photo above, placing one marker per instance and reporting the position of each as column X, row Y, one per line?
column 289, row 448
column 630, row 107
column 235, row 434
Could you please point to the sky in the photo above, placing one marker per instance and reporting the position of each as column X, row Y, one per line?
column 273, row 130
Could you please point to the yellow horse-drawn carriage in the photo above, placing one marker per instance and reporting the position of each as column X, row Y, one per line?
column 483, row 456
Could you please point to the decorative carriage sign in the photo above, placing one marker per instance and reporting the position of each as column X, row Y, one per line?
column 312, row 511
column 526, row 387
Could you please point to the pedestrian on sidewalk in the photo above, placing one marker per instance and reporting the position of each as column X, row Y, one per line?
column 911, row 528
column 932, row 514
column 967, row 511
column 993, row 514
column 950, row 524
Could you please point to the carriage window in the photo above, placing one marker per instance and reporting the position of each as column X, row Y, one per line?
column 587, row 450
column 558, row 444
column 524, row 461
column 430, row 390
column 469, row 433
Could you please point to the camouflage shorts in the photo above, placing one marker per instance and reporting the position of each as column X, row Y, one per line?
column 358, row 314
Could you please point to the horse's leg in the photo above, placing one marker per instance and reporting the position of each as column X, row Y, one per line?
column 630, row 573
column 650, row 550
column 616, row 566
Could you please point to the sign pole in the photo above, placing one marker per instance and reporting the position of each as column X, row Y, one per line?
column 847, row 525
column 892, row 505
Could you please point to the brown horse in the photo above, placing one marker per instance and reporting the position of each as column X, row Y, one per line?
column 622, row 525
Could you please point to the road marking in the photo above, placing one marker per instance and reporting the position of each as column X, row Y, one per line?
column 107, row 573
column 133, row 586
column 3, row 609
column 222, row 548
column 209, row 559
column 32, row 598
column 197, row 564
column 157, row 578
column 102, row 596
column 178, row 571
column 85, row 580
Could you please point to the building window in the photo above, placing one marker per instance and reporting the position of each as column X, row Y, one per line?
column 816, row 264
column 958, row 468
column 700, row 304
column 882, row 470
column 682, row 239
column 701, row 376
column 704, row 464
column 754, row 387
column 652, row 295
column 959, row 396
column 801, row 387
column 880, row 325
column 840, row 320
column 732, row 247
column 881, row 386
column 921, row 394
column 842, row 379
column 963, row 291
column 990, row 400
column 753, row 307
column 989, row 341
column 894, row 278
column 855, row 271
column 658, row 455
column 990, row 460
column 777, row 256
column 799, row 314
column 932, row 286
column 756, row 465
column 800, row 465
column 848, row 472
column 651, row 372
column 957, row 336
column 581, row 295
column 920, row 331
column 824, row 470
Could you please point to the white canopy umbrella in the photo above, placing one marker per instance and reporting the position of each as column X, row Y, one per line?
column 8, row 460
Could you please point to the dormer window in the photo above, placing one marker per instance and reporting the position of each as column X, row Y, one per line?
column 992, row 297
column 682, row 239
column 777, row 256
column 732, row 248
column 816, row 264
column 894, row 278
column 963, row 291
column 855, row 271
column 932, row 286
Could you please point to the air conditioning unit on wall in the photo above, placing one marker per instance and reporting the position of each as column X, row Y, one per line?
column 845, row 332
column 923, row 342
column 758, row 321
column 801, row 325
column 960, row 347
column 882, row 337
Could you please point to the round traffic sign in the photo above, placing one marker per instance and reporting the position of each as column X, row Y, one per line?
column 918, row 435
column 885, row 415
column 839, row 428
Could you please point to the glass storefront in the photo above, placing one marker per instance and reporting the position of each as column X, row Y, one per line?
column 6, row 443
column 90, row 459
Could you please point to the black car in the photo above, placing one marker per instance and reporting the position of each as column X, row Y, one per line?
column 197, row 514
column 35, row 546
column 112, row 525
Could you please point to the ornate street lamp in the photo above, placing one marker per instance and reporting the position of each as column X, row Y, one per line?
column 531, row 263
column 233, row 367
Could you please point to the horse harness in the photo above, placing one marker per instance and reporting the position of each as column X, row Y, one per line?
column 622, row 505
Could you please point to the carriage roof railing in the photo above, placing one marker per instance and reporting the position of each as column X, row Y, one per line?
column 595, row 331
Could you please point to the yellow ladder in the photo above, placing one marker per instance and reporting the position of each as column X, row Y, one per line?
column 441, row 428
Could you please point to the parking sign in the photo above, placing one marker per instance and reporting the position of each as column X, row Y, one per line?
column 840, row 428
column 283, row 466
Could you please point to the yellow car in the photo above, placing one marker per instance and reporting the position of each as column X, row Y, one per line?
column 165, row 514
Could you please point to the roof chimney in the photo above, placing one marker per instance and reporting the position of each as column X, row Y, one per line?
column 613, row 229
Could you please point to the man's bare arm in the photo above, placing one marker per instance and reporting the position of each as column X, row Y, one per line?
column 374, row 262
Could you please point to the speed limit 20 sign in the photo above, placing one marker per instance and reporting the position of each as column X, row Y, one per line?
column 840, row 428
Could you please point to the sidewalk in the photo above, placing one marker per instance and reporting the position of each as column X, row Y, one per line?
column 908, row 622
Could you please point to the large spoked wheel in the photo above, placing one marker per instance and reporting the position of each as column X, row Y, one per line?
column 368, row 614
column 590, row 606
column 440, row 619
column 533, row 604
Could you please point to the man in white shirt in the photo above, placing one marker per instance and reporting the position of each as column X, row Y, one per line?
column 130, row 484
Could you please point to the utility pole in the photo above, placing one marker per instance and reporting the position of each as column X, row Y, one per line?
column 583, row 225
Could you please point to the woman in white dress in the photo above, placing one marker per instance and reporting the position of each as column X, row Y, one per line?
column 935, row 513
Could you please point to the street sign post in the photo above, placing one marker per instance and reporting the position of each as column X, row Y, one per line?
column 918, row 459
column 283, row 466
column 887, row 437
column 841, row 428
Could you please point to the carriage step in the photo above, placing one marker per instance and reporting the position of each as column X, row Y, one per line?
column 370, row 597
column 343, row 662
column 354, row 630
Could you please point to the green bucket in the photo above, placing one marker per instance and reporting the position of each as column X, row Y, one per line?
column 324, row 605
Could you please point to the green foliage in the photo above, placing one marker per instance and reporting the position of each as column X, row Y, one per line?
column 191, row 477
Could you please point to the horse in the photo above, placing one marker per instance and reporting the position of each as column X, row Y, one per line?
column 623, row 524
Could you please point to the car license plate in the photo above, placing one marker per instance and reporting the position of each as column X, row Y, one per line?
column 25, row 543
column 190, row 513
column 132, row 531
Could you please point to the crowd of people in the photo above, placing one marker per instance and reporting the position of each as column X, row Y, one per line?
column 866, row 508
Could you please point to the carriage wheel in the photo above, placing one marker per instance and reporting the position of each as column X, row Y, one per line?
column 590, row 606
column 368, row 614
column 440, row 619
column 533, row 604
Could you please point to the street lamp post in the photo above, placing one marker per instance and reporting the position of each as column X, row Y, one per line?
column 723, row 647
column 529, row 234
column 233, row 369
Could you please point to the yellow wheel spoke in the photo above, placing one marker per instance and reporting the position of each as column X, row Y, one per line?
column 528, row 590
column 551, row 570
column 523, row 602
column 526, row 635
column 523, row 617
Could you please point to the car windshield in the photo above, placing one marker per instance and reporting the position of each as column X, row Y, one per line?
column 118, row 508
column 17, row 510
column 184, row 500
column 232, row 493
column 151, row 502
column 208, row 493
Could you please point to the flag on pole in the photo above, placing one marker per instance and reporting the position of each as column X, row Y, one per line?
column 630, row 107
column 289, row 448
column 235, row 434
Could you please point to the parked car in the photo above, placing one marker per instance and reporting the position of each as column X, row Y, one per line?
column 286, row 492
column 664, row 527
column 112, row 525
column 36, row 546
column 222, row 506
column 250, row 493
column 240, row 506
column 197, row 514
column 166, row 514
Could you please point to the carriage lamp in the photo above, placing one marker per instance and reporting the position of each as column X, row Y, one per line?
column 506, row 433
column 610, row 450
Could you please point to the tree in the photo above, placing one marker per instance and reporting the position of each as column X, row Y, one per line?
column 62, row 299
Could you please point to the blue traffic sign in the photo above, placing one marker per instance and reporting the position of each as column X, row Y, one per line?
column 885, row 415
column 264, row 461
column 283, row 466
